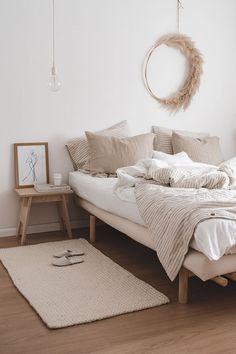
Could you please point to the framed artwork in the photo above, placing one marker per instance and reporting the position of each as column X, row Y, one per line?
column 31, row 164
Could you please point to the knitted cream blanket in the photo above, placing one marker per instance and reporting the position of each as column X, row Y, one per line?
column 172, row 214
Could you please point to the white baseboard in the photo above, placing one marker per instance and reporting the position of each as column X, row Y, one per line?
column 32, row 229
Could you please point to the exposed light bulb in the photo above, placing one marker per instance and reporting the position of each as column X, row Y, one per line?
column 54, row 82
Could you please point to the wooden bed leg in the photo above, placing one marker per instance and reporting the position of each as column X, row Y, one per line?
column 231, row 276
column 183, row 286
column 220, row 280
column 92, row 228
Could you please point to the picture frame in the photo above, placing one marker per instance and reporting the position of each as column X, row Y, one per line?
column 31, row 164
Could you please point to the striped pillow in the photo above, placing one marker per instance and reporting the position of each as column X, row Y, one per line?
column 163, row 138
column 78, row 148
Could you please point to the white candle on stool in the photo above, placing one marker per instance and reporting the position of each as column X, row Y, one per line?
column 57, row 177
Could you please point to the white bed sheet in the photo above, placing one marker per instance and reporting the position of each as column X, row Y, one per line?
column 214, row 237
column 99, row 191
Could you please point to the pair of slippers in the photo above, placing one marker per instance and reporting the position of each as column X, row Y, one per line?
column 66, row 259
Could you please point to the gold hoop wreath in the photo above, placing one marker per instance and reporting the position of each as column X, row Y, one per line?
column 183, row 97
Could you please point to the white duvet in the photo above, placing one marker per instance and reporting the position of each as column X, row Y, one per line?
column 214, row 237
column 177, row 171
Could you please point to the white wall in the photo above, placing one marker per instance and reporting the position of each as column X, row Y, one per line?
column 100, row 49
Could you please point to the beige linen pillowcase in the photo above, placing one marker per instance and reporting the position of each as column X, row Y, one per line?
column 163, row 138
column 206, row 150
column 108, row 153
column 79, row 150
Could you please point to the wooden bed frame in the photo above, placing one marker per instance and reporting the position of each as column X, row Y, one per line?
column 225, row 266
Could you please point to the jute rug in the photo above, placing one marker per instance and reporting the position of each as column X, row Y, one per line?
column 66, row 296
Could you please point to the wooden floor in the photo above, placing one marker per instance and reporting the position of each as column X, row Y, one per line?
column 206, row 325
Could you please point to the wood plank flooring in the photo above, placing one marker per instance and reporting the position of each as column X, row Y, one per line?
column 206, row 325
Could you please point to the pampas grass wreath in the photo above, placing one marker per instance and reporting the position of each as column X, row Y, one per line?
column 183, row 97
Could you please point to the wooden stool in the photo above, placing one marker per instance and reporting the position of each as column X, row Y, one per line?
column 30, row 196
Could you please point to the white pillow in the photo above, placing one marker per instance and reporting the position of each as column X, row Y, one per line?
column 180, row 158
column 229, row 167
column 231, row 163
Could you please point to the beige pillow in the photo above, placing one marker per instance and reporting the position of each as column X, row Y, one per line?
column 108, row 153
column 162, row 141
column 79, row 150
column 206, row 150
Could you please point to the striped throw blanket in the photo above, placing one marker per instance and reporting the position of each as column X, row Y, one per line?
column 190, row 177
column 172, row 214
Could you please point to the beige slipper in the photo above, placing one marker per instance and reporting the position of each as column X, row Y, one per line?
column 67, row 253
column 65, row 261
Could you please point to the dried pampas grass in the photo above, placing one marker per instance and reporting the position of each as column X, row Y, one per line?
column 183, row 97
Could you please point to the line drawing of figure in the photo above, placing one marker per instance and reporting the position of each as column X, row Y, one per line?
column 31, row 161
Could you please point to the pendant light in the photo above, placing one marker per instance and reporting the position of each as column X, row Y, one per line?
column 54, row 82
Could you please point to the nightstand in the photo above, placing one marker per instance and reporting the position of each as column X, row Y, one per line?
column 29, row 196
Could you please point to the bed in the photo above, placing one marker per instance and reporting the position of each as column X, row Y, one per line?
column 208, row 257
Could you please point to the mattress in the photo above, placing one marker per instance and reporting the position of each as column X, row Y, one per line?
column 214, row 237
